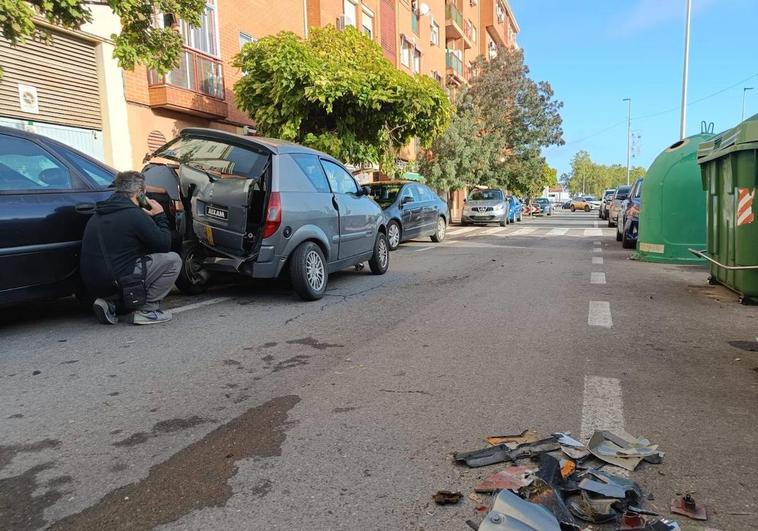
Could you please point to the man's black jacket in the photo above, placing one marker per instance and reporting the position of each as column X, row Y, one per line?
column 128, row 234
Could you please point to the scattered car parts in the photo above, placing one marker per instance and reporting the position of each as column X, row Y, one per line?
column 446, row 497
column 686, row 506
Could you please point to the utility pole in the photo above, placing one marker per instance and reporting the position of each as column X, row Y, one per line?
column 628, row 140
column 744, row 93
column 683, row 122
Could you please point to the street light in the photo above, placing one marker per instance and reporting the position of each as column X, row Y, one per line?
column 744, row 93
column 683, row 123
column 628, row 138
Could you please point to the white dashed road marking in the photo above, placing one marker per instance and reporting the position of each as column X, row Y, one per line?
column 597, row 260
column 603, row 406
column 423, row 249
column 593, row 232
column 523, row 231
column 557, row 232
column 196, row 305
column 597, row 250
column 600, row 314
column 596, row 243
column 490, row 232
column 597, row 278
column 463, row 230
column 595, row 224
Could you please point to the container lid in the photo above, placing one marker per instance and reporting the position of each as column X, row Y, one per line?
column 743, row 136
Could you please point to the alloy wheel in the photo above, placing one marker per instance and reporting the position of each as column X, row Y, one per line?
column 383, row 252
column 441, row 227
column 393, row 235
column 314, row 271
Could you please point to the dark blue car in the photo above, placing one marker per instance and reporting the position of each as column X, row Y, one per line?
column 629, row 219
column 47, row 191
column 412, row 210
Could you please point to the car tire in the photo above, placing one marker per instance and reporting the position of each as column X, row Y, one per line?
column 504, row 221
column 587, row 208
column 193, row 278
column 439, row 234
column 380, row 260
column 394, row 235
column 573, row 208
column 520, row 217
column 627, row 243
column 610, row 223
column 618, row 234
column 308, row 272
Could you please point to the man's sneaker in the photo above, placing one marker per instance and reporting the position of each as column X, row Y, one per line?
column 151, row 317
column 105, row 311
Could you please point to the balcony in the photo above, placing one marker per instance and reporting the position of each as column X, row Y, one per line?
column 196, row 87
column 454, row 26
column 457, row 73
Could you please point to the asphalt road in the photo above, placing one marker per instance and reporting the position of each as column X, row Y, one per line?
column 253, row 410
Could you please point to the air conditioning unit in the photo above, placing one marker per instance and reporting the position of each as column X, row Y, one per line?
column 342, row 22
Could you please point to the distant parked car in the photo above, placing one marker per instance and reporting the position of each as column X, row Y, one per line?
column 255, row 206
column 580, row 203
column 605, row 203
column 545, row 205
column 485, row 206
column 566, row 205
column 629, row 222
column 515, row 209
column 412, row 210
column 616, row 205
column 47, row 193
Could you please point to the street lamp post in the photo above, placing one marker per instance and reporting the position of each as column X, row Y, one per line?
column 744, row 93
column 683, row 122
column 628, row 139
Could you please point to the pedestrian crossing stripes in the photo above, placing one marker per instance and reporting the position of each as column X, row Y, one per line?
column 557, row 232
column 504, row 232
column 519, row 232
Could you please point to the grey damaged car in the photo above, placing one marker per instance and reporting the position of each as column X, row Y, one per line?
column 257, row 207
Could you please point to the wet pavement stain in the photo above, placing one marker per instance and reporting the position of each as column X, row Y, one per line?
column 194, row 478
column 7, row 453
column 16, row 416
column 289, row 363
column 164, row 426
column 20, row 509
column 749, row 346
column 313, row 342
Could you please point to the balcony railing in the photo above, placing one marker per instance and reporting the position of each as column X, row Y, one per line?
column 452, row 13
column 455, row 64
column 196, row 72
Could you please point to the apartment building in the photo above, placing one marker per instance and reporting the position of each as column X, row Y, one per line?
column 72, row 89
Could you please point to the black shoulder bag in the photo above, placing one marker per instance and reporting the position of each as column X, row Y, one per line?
column 131, row 288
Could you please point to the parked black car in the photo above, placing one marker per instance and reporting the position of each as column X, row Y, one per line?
column 412, row 210
column 628, row 223
column 47, row 192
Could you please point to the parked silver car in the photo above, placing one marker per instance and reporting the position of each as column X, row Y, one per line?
column 616, row 206
column 605, row 203
column 256, row 206
column 486, row 206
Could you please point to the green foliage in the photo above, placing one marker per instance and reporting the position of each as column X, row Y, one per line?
column 336, row 92
column 592, row 178
column 496, row 137
column 140, row 41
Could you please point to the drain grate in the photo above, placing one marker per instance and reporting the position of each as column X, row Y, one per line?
column 750, row 346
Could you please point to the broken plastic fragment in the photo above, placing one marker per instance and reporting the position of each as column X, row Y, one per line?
column 622, row 449
column 686, row 506
column 513, row 478
column 501, row 452
column 509, row 512
column 526, row 436
column 446, row 497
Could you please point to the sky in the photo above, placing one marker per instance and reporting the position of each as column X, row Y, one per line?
column 595, row 53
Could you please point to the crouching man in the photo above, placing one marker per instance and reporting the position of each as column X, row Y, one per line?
column 128, row 232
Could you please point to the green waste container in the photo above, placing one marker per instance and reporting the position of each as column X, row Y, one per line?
column 729, row 168
column 672, row 217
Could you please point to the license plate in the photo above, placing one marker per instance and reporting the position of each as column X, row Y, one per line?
column 217, row 213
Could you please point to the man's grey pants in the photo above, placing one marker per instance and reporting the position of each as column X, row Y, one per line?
column 162, row 270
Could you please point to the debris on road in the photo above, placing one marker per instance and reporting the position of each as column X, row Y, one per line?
column 501, row 452
column 513, row 478
column 686, row 506
column 623, row 450
column 558, row 482
column 446, row 497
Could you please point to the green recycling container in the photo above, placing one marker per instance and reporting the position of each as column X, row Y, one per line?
column 672, row 217
column 729, row 168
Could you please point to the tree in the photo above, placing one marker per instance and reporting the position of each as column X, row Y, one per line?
column 140, row 40
column 504, row 119
column 550, row 176
column 336, row 92
column 589, row 177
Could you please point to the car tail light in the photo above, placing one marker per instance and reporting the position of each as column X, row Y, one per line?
column 273, row 215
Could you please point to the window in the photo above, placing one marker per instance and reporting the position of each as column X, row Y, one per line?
column 416, row 60
column 203, row 38
column 349, row 9
column 245, row 39
column 26, row 166
column 435, row 33
column 367, row 23
column 339, row 179
column 100, row 175
column 405, row 51
column 218, row 158
column 313, row 170
column 424, row 193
